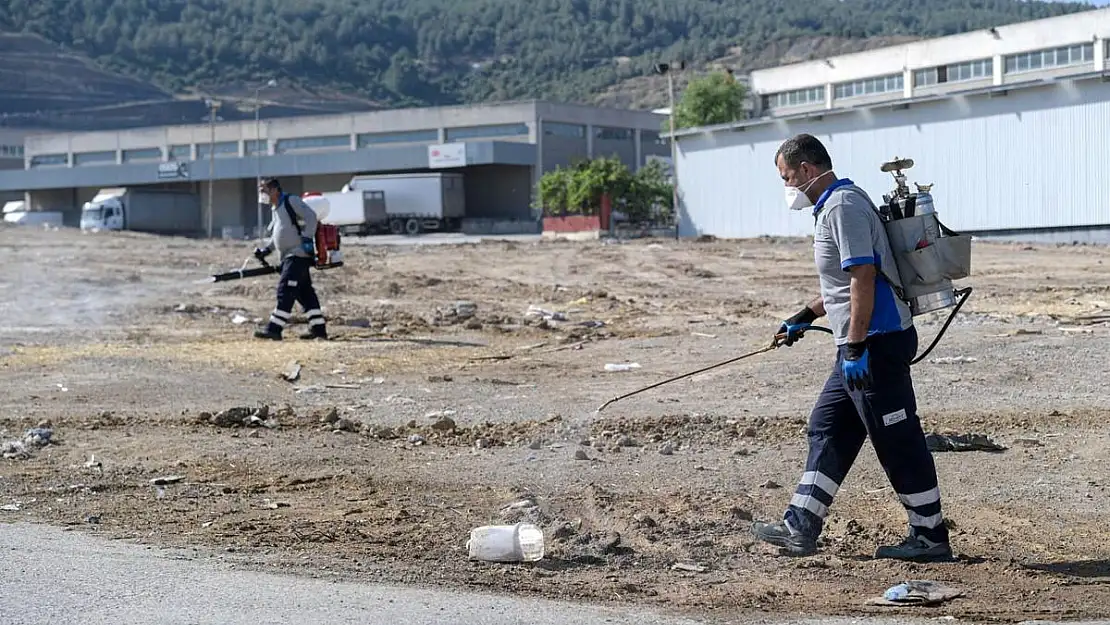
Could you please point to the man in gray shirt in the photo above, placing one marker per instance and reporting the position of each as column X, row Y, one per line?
column 870, row 391
column 295, row 244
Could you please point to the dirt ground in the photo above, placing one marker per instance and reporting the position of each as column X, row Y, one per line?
column 444, row 403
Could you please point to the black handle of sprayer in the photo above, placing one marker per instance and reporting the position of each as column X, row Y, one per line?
column 779, row 338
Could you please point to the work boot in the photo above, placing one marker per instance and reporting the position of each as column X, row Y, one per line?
column 916, row 549
column 314, row 334
column 779, row 534
column 267, row 333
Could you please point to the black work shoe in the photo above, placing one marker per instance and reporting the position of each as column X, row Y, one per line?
column 916, row 549
column 266, row 333
column 780, row 535
column 314, row 335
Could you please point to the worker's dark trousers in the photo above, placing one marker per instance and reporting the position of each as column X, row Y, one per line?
column 295, row 285
column 887, row 411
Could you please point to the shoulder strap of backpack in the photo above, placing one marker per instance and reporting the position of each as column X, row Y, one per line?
column 292, row 214
column 894, row 284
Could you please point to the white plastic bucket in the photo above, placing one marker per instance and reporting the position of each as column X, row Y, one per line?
column 522, row 542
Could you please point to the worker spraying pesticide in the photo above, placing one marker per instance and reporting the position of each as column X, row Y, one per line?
column 295, row 243
column 871, row 287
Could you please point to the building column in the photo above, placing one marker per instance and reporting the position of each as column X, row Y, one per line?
column 829, row 92
column 639, row 142
column 1100, row 54
column 589, row 141
column 998, row 67
column 907, row 83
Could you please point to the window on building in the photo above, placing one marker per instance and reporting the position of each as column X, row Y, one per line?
column 869, row 86
column 11, row 151
column 329, row 142
column 957, row 72
column 222, row 149
column 558, row 129
column 142, row 154
column 368, row 139
column 797, row 97
column 180, row 152
column 94, row 158
column 49, row 160
column 650, row 137
column 612, row 134
column 486, row 132
column 1053, row 57
column 256, row 146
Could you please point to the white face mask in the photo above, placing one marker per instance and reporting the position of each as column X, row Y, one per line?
column 263, row 198
column 796, row 198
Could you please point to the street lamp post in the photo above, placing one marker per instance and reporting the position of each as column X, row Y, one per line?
column 213, row 106
column 666, row 69
column 258, row 145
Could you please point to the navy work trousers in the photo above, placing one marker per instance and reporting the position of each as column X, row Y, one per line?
column 295, row 286
column 887, row 411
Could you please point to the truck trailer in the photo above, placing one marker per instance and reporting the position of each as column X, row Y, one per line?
column 417, row 202
column 157, row 211
column 356, row 212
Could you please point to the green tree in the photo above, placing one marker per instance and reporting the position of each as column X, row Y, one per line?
column 716, row 98
column 578, row 189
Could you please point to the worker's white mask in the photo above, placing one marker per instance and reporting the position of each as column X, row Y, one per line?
column 264, row 199
column 796, row 198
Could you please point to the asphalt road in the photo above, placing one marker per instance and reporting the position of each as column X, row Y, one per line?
column 50, row 576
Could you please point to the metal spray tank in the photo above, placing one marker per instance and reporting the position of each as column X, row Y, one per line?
column 929, row 255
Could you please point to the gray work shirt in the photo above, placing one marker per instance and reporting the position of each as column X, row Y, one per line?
column 848, row 232
column 284, row 236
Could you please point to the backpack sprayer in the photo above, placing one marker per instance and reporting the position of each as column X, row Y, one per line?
column 928, row 255
column 328, row 255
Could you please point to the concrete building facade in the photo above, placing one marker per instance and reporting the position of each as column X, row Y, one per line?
column 11, row 157
column 505, row 149
column 1018, row 151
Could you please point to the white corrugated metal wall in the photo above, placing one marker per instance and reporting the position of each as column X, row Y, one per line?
column 1036, row 157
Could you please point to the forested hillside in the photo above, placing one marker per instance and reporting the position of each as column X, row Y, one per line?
column 400, row 52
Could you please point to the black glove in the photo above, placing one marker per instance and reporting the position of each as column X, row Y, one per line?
column 261, row 253
column 795, row 327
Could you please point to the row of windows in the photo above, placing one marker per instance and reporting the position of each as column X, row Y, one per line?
column 475, row 132
column 797, row 97
column 1045, row 59
column 957, row 72
column 869, row 86
column 184, row 152
column 601, row 133
column 11, row 151
column 981, row 69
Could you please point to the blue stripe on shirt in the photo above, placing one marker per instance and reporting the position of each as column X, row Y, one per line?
column 885, row 316
column 857, row 261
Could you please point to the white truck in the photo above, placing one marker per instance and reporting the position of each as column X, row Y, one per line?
column 416, row 202
column 158, row 211
column 16, row 212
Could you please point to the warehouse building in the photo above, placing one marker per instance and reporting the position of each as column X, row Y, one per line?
column 1010, row 124
column 11, row 157
column 502, row 150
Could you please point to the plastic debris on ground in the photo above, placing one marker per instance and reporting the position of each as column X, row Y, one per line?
column 33, row 440
column 626, row 366
column 961, row 442
column 916, row 592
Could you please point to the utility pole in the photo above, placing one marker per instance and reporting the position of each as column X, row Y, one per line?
column 668, row 70
column 213, row 106
column 258, row 145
